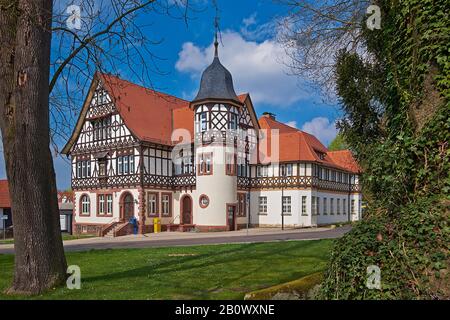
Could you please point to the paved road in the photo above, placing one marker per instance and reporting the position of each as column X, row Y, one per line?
column 166, row 240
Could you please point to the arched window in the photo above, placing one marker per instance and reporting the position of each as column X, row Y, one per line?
column 85, row 205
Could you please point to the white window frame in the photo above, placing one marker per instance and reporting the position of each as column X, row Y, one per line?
column 287, row 205
column 109, row 204
column 262, row 205
column 304, row 206
column 101, row 204
column 85, row 204
column 165, row 205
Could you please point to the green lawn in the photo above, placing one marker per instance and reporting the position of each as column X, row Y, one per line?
column 197, row 272
column 65, row 236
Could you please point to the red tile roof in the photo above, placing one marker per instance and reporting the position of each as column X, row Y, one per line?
column 147, row 113
column 297, row 145
column 67, row 196
column 345, row 159
column 5, row 201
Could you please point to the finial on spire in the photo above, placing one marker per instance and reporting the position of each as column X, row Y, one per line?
column 216, row 42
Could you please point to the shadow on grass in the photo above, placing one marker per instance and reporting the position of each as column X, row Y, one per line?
column 236, row 254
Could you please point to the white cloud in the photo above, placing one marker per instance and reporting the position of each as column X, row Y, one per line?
column 292, row 124
column 251, row 20
column 322, row 128
column 251, row 30
column 257, row 68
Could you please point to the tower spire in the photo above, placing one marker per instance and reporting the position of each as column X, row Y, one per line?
column 216, row 42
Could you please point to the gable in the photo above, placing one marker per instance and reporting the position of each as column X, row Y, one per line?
column 98, row 108
column 248, row 116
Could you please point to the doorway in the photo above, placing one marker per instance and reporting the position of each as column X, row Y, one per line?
column 127, row 206
column 231, row 217
column 186, row 210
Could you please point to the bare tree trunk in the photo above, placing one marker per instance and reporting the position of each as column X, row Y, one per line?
column 25, row 40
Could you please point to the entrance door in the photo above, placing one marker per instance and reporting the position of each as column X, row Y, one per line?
column 128, row 207
column 187, row 210
column 231, row 217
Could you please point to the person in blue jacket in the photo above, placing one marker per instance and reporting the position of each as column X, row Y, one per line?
column 133, row 221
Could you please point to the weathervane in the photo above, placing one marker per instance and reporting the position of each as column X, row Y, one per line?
column 217, row 31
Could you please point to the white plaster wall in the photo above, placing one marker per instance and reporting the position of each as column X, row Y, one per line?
column 329, row 218
column 116, row 206
column 1, row 221
column 273, row 216
column 219, row 187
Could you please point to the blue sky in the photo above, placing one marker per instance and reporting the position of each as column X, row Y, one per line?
column 249, row 51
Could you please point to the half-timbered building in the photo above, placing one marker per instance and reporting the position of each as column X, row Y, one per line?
column 206, row 164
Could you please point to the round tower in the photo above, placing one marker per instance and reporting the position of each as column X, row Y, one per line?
column 216, row 109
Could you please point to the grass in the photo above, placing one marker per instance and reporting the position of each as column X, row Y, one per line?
column 198, row 272
column 65, row 237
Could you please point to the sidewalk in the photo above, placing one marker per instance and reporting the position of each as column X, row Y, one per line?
column 194, row 238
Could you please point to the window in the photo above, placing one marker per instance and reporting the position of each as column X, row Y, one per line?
column 204, row 201
column 352, row 207
column 109, row 204
column 102, row 128
column 324, row 205
column 304, row 206
column 242, row 167
column 313, row 206
column 287, row 205
column 344, row 206
column 152, row 203
column 101, row 167
column 203, row 121
column 166, row 206
column 205, row 166
column 232, row 125
column 286, row 170
column 263, row 171
column 318, row 205
column 338, row 206
column 262, row 205
column 119, row 165
column 333, row 175
column 241, row 204
column 230, row 164
column 184, row 163
column 84, row 169
column 85, row 205
column 101, row 204
column 125, row 164
column 331, row 206
column 104, row 206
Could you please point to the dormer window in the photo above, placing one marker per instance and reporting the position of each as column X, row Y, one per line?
column 102, row 167
column 320, row 154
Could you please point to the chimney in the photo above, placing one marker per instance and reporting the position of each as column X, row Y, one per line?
column 269, row 115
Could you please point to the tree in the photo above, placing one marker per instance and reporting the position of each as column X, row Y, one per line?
column 338, row 143
column 395, row 100
column 314, row 32
column 26, row 28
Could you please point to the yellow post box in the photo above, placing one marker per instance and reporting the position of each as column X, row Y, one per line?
column 156, row 225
